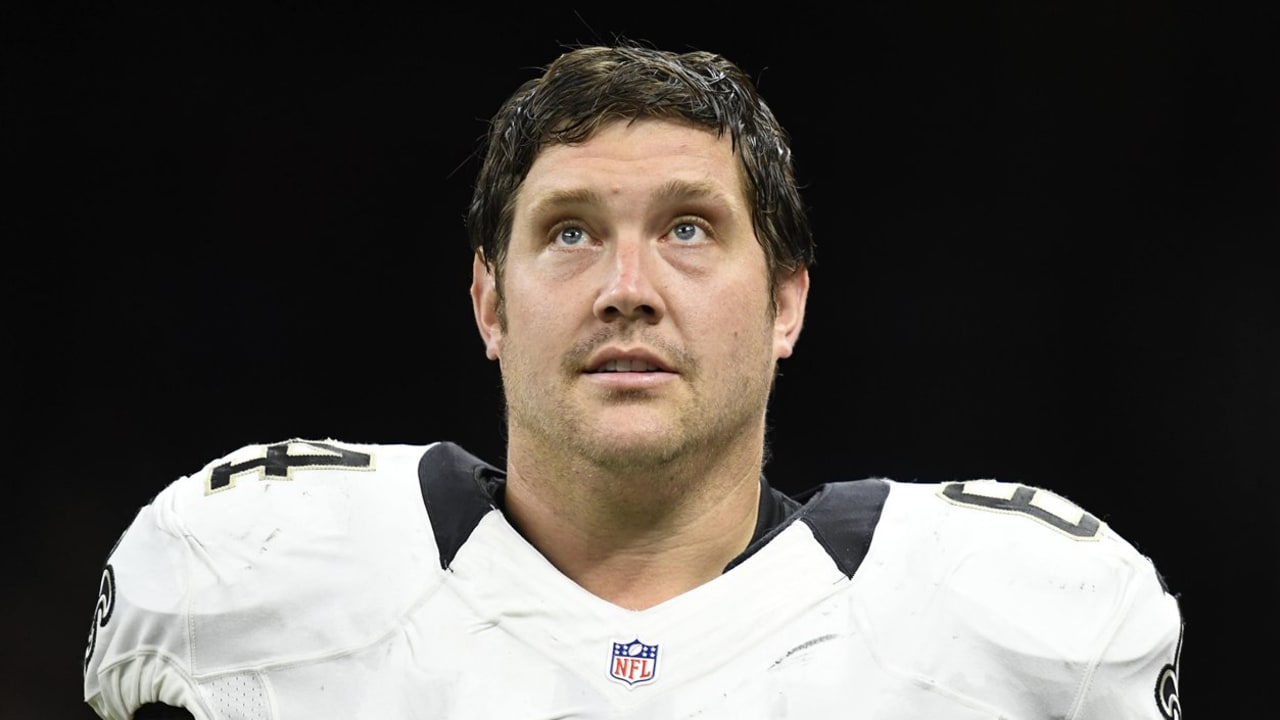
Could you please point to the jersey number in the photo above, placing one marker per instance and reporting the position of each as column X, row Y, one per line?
column 1042, row 505
column 280, row 460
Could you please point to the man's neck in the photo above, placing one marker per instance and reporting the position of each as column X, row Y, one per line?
column 635, row 538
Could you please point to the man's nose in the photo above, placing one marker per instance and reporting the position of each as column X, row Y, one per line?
column 629, row 291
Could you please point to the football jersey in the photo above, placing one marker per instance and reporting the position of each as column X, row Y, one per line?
column 305, row 580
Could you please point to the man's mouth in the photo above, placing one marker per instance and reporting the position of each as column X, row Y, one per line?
column 626, row 366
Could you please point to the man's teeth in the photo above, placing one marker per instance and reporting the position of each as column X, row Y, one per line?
column 627, row 366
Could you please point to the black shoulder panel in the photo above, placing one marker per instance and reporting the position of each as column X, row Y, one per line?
column 843, row 517
column 459, row 489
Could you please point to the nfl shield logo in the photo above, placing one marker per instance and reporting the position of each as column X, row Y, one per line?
column 634, row 662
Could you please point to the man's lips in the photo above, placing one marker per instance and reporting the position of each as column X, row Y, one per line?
column 626, row 366
column 615, row 368
column 621, row 361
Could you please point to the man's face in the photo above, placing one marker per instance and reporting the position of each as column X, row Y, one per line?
column 636, row 323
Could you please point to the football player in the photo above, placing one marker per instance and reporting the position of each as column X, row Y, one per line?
column 641, row 267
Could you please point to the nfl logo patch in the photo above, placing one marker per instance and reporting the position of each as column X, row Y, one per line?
column 634, row 662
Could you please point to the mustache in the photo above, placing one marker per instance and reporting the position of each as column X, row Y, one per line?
column 674, row 354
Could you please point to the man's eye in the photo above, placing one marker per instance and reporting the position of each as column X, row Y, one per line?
column 687, row 232
column 570, row 236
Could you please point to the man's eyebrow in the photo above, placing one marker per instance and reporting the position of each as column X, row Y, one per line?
column 561, row 198
column 690, row 190
column 671, row 191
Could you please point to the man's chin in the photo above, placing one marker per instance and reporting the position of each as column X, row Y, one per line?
column 633, row 449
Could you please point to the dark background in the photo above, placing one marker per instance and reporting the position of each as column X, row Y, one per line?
column 1043, row 235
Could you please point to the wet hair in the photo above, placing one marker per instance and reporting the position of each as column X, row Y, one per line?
column 589, row 87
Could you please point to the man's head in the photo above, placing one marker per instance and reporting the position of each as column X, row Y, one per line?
column 590, row 87
column 641, row 261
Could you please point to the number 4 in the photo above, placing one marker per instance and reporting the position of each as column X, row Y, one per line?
column 280, row 459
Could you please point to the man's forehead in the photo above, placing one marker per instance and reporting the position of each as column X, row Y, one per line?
column 667, row 160
column 688, row 134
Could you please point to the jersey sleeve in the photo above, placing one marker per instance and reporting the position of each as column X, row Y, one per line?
column 1136, row 673
column 1035, row 589
column 271, row 557
column 138, row 649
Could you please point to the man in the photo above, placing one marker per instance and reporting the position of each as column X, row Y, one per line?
column 641, row 256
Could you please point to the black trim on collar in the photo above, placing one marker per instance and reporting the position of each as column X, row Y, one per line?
column 776, row 512
column 458, row 489
column 843, row 517
column 775, row 509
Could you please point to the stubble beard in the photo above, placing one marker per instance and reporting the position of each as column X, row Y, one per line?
column 702, row 428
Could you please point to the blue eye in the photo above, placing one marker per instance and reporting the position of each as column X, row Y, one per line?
column 686, row 232
column 570, row 236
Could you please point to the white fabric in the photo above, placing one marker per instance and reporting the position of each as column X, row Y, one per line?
column 322, row 596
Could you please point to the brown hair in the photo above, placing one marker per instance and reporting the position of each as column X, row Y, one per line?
column 588, row 87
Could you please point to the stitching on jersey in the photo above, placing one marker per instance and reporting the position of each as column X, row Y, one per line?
column 1117, row 621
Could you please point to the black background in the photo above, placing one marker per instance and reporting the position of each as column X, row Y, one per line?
column 1043, row 235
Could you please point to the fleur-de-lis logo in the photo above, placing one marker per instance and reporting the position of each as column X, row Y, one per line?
column 1167, row 686
column 101, row 611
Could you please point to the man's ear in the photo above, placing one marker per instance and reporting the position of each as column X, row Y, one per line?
column 791, row 293
column 485, row 300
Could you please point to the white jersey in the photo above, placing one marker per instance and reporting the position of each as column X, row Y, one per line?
column 312, row 580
